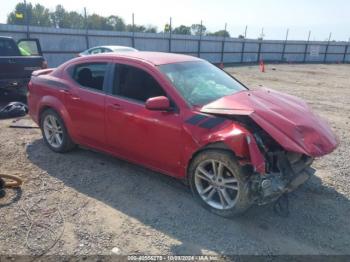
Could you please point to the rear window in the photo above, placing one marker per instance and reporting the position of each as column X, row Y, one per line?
column 90, row 75
column 8, row 48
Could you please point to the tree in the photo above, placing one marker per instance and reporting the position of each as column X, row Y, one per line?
column 40, row 16
column 166, row 28
column 198, row 29
column 182, row 30
column 241, row 36
column 98, row 22
column 37, row 15
column 136, row 28
column 59, row 17
column 20, row 8
column 116, row 22
column 151, row 29
column 223, row 33
column 75, row 20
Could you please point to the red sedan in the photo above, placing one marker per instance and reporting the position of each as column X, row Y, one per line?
column 183, row 117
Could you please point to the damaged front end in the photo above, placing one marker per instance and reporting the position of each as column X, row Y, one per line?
column 286, row 135
column 285, row 172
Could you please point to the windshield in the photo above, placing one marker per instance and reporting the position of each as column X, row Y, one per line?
column 200, row 82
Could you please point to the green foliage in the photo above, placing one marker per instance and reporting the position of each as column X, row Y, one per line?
column 116, row 22
column 222, row 33
column 182, row 30
column 198, row 29
column 39, row 15
column 135, row 28
column 151, row 29
column 166, row 28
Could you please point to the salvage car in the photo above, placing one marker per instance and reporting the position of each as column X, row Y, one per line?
column 184, row 117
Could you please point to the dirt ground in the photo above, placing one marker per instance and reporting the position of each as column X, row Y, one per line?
column 87, row 203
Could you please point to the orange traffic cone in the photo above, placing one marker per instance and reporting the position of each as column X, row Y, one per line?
column 262, row 66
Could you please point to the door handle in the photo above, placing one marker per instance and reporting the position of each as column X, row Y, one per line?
column 75, row 98
column 116, row 106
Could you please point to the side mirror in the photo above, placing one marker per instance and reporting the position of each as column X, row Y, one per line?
column 158, row 103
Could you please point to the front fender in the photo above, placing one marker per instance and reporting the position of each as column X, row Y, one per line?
column 236, row 138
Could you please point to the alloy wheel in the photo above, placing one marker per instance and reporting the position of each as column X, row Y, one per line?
column 216, row 184
column 53, row 131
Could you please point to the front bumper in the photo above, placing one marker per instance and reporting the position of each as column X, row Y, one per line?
column 287, row 171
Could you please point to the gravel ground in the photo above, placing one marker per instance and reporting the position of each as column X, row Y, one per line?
column 88, row 203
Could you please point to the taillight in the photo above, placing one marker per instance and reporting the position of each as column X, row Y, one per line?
column 44, row 64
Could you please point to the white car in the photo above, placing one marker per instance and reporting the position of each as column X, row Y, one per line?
column 107, row 49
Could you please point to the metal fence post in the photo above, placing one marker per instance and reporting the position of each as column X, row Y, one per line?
column 243, row 43
column 27, row 18
column 326, row 52
column 223, row 45
column 200, row 39
column 306, row 47
column 170, row 33
column 261, row 38
column 346, row 51
column 133, row 31
column 259, row 52
column 284, row 46
column 86, row 30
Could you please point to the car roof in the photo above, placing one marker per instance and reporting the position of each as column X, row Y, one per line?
column 114, row 47
column 155, row 58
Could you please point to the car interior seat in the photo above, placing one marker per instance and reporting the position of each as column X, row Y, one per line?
column 85, row 77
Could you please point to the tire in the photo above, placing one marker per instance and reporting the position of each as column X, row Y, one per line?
column 65, row 143
column 233, row 184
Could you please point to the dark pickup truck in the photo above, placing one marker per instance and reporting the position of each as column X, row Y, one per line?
column 17, row 62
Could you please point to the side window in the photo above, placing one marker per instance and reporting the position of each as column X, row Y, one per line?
column 106, row 50
column 134, row 83
column 95, row 51
column 90, row 75
column 8, row 48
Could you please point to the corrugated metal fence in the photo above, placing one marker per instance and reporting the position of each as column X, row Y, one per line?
column 59, row 45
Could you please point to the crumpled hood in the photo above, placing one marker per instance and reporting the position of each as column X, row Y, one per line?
column 287, row 119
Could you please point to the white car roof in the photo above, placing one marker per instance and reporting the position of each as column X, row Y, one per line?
column 116, row 47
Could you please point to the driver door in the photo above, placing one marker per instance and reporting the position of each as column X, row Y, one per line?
column 152, row 138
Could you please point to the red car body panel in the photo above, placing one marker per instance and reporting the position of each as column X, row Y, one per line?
column 167, row 141
column 287, row 119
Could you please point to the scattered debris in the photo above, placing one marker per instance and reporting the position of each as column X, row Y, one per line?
column 23, row 123
column 13, row 109
column 115, row 250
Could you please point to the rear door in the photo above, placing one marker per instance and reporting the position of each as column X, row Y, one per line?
column 85, row 102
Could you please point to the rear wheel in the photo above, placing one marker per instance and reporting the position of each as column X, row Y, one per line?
column 54, row 132
column 218, row 183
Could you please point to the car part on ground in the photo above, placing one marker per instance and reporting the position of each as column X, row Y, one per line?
column 182, row 116
column 13, row 109
column 13, row 181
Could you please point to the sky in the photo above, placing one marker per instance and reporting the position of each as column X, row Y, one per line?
column 274, row 17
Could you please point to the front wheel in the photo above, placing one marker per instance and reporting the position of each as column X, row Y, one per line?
column 218, row 183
